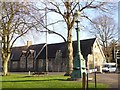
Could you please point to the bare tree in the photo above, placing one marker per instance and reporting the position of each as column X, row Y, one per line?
column 66, row 9
column 105, row 29
column 17, row 19
column 112, row 50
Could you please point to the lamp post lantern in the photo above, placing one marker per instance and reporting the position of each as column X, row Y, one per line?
column 79, row 65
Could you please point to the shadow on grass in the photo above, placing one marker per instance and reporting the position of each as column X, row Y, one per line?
column 35, row 80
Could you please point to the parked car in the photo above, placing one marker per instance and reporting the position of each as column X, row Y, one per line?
column 109, row 67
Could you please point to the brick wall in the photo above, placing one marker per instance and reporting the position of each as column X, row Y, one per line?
column 57, row 64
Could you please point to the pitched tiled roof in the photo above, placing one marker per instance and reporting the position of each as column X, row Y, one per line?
column 40, row 49
column 53, row 48
column 17, row 52
column 86, row 47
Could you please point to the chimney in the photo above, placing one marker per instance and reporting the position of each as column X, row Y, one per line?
column 29, row 43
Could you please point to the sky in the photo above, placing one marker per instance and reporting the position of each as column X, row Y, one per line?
column 39, row 37
column 118, row 22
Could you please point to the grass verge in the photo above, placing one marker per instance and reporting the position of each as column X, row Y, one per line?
column 20, row 81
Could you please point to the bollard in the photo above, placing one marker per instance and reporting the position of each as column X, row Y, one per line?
column 84, row 81
column 95, row 81
column 87, row 81
column 29, row 73
column 87, row 78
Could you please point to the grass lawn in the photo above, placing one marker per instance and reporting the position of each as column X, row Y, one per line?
column 46, row 81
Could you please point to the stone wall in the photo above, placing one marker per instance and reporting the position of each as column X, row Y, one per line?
column 57, row 66
column 96, row 59
column 30, row 62
column 41, row 65
column 15, row 65
column 23, row 62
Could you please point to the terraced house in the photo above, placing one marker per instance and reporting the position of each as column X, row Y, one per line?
column 32, row 57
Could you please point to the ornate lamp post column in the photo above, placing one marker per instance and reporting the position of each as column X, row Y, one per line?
column 79, row 65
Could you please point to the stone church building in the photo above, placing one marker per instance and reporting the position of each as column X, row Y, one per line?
column 33, row 57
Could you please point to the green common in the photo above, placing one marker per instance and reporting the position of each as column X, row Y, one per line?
column 44, row 81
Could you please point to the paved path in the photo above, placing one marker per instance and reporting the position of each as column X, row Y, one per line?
column 112, row 79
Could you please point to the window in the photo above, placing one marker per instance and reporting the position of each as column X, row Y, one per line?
column 14, row 64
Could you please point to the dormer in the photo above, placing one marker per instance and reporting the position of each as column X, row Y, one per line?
column 24, row 52
column 31, row 51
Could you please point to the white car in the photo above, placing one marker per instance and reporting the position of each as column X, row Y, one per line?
column 109, row 67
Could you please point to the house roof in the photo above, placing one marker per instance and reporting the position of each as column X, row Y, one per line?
column 17, row 52
column 86, row 47
column 53, row 48
column 40, row 50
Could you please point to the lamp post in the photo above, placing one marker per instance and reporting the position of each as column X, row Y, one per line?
column 79, row 65
column 46, row 61
column 0, row 61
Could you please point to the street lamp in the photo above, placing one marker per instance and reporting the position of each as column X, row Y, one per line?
column 46, row 61
column 79, row 65
column 0, row 55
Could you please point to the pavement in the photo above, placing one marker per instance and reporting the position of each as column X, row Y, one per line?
column 112, row 79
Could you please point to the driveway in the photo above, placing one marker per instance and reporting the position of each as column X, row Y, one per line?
column 112, row 79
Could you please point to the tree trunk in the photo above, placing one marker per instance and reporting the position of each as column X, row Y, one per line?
column 70, row 23
column 5, row 67
column 69, row 54
column 5, row 63
column 70, row 58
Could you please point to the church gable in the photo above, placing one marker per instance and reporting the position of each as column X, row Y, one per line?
column 30, row 59
column 23, row 60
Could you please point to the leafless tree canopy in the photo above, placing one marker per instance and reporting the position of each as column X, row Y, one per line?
column 105, row 29
column 17, row 19
column 67, row 8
